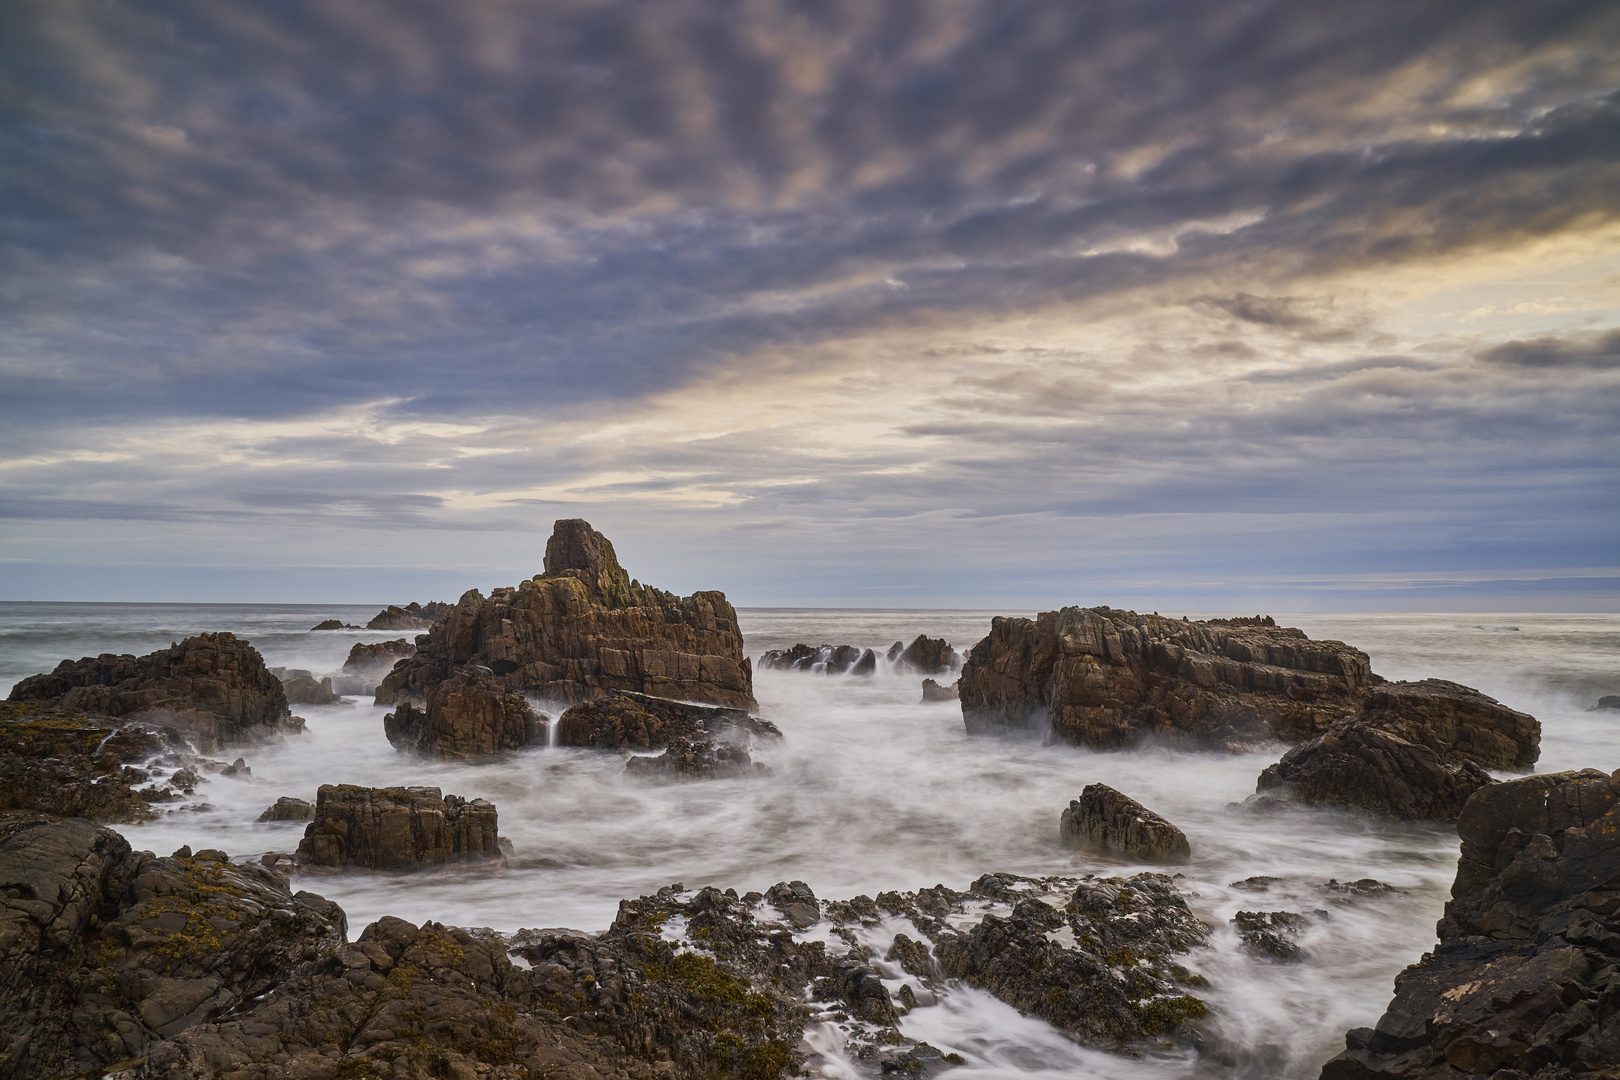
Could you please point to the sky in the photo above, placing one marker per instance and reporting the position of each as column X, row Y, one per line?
column 1204, row 304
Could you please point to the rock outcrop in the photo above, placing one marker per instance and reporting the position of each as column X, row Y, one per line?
column 695, row 759
column 468, row 715
column 413, row 616
column 365, row 657
column 1523, row 981
column 1608, row 701
column 1357, row 766
column 104, row 952
column 58, row 761
column 1414, row 750
column 333, row 624
column 833, row 659
column 583, row 628
column 214, row 688
column 929, row 656
column 626, row 721
column 933, row 692
column 1108, row 678
column 1272, row 933
column 397, row 829
column 1105, row 820
column 303, row 688
column 288, row 808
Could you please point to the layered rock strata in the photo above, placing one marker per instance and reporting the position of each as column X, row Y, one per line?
column 214, row 688
column 1523, row 982
column 397, row 829
column 1103, row 819
column 583, row 628
column 468, row 715
column 1108, row 678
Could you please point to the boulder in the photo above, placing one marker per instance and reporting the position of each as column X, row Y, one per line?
column 288, row 808
column 1356, row 765
column 626, row 721
column 213, row 688
column 929, row 656
column 581, row 629
column 1105, row 820
column 798, row 658
column 332, row 624
column 866, row 665
column 1457, row 722
column 1522, row 981
column 468, row 715
column 397, row 829
column 1272, row 933
column 304, row 689
column 380, row 654
column 1108, row 678
column 933, row 692
column 104, row 951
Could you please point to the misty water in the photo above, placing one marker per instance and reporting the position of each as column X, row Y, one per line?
column 870, row 790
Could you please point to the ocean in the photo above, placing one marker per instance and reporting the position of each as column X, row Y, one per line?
column 871, row 790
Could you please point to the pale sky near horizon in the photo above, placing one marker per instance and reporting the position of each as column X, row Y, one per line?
column 1192, row 305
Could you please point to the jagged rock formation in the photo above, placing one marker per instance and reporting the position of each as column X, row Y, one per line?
column 1272, row 933
column 836, row 659
column 104, row 951
column 333, row 624
column 381, row 654
column 626, row 721
column 413, row 616
column 214, row 688
column 58, row 761
column 469, row 714
column 933, row 692
column 288, row 808
column 1109, row 678
column 1357, row 766
column 695, row 759
column 303, row 688
column 1414, row 750
column 929, row 656
column 583, row 628
column 1523, row 982
column 397, row 829
column 1103, row 819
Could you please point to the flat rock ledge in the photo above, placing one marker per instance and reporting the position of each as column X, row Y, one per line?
column 1105, row 820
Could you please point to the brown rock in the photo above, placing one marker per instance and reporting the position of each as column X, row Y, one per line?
column 1457, row 722
column 288, row 808
column 397, row 829
column 213, row 687
column 640, row 722
column 332, row 624
column 933, row 692
column 64, row 763
column 1522, row 981
column 929, row 656
column 467, row 715
column 1103, row 819
column 580, row 630
column 381, row 654
column 412, row 617
column 1108, row 678
column 304, row 689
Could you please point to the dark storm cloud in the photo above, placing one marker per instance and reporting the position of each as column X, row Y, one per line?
column 257, row 210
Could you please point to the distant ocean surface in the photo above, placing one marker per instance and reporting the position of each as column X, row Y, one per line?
column 872, row 790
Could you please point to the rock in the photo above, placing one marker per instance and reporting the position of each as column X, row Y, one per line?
column 1108, row 678
column 104, row 951
column 332, row 624
column 866, row 665
column 397, row 829
column 796, row 902
column 470, row 714
column 1457, row 722
column 933, row 692
column 626, row 721
column 929, row 656
column 835, row 659
column 894, row 651
column 1357, row 766
column 214, row 688
column 288, row 808
column 305, row 690
column 582, row 629
column 687, row 759
column 1100, row 967
column 63, row 762
column 413, row 616
column 1272, row 933
column 1103, row 819
column 798, row 658
column 1610, row 701
column 1522, row 981
column 365, row 657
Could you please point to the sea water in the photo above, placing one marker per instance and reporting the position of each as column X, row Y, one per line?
column 871, row 790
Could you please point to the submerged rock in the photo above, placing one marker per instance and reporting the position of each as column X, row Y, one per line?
column 468, row 715
column 933, row 692
column 581, row 629
column 1272, row 933
column 1108, row 678
column 214, row 688
column 397, row 829
column 1522, row 982
column 1105, row 820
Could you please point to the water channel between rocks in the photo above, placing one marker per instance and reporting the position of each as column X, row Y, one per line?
column 871, row 790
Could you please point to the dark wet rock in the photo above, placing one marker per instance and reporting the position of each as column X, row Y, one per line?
column 66, row 763
column 1103, row 819
column 380, row 654
column 1609, row 701
column 626, row 721
column 581, row 629
column 238, row 768
column 929, row 656
column 397, row 829
column 933, row 692
column 305, row 689
column 1113, row 984
column 920, row 1060
column 894, row 651
column 796, row 902
column 468, row 715
column 333, row 624
column 1108, row 678
column 213, row 688
column 1272, row 933
column 288, row 808
column 914, row 959
column 1457, row 722
column 413, row 616
column 859, row 988
column 1348, row 892
column 687, row 759
column 1357, row 766
column 834, row 659
column 798, row 658
column 1258, row 883
column 105, row 951
column 1523, row 981
column 866, row 665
